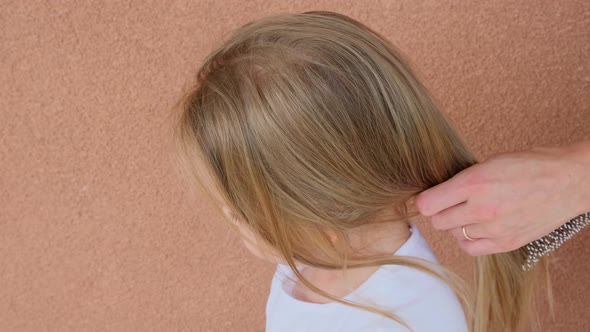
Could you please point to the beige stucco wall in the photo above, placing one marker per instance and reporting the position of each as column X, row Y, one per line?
column 96, row 234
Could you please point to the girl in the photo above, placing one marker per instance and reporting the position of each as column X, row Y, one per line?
column 313, row 135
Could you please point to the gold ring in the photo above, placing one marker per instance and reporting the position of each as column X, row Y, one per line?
column 467, row 236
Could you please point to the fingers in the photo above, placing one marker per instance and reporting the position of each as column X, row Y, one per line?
column 474, row 231
column 484, row 244
column 478, row 247
column 452, row 217
column 442, row 196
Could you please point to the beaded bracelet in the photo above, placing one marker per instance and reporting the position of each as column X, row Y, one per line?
column 553, row 240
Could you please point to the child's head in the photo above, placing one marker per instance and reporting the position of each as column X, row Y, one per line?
column 310, row 126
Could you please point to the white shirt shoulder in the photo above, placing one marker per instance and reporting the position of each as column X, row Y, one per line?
column 418, row 298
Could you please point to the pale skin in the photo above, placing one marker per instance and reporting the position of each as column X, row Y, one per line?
column 511, row 199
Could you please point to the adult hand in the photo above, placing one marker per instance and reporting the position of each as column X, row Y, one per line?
column 511, row 199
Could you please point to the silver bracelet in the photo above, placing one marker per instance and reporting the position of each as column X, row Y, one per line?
column 541, row 247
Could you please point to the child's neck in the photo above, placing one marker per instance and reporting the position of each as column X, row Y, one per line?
column 382, row 240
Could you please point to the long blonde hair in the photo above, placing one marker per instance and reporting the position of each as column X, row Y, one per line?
column 312, row 123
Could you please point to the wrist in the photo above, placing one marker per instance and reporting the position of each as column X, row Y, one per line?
column 578, row 159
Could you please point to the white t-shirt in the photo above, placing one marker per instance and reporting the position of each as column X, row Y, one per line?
column 423, row 302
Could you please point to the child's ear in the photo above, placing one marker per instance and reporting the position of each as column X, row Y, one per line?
column 332, row 236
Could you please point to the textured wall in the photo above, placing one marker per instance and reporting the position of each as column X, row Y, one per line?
column 96, row 234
